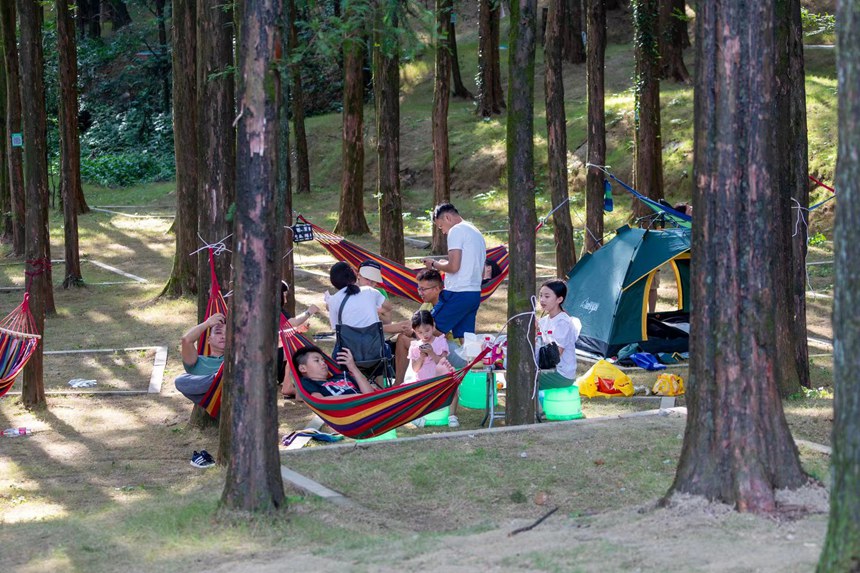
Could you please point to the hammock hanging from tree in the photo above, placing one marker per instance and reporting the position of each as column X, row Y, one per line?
column 211, row 401
column 18, row 340
column 396, row 278
column 363, row 416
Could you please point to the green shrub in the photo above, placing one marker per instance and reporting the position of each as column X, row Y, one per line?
column 127, row 168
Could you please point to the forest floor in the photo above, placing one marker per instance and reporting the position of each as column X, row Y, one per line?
column 104, row 482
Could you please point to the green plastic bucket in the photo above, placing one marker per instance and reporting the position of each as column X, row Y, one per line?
column 473, row 391
column 389, row 435
column 562, row 404
column 437, row 418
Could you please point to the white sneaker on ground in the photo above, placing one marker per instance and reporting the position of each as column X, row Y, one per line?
column 419, row 422
column 453, row 422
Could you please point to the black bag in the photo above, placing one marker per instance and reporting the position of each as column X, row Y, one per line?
column 367, row 343
column 548, row 356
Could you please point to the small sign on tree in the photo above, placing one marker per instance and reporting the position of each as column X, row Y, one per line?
column 302, row 232
column 17, row 140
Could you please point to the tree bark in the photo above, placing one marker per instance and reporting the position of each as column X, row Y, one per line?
column 737, row 447
column 491, row 100
column 303, row 170
column 791, row 172
column 163, row 54
column 648, row 150
column 13, row 115
column 673, row 27
column 351, row 219
column 253, row 481
column 70, row 153
column 841, row 550
column 116, row 12
column 556, row 127
column 459, row 89
column 5, row 191
column 183, row 276
column 284, row 214
column 441, row 97
column 521, row 210
column 596, row 50
column 37, row 251
column 571, row 31
column 89, row 19
column 386, row 89
column 216, row 139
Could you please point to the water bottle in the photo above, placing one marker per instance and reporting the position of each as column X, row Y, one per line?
column 488, row 357
column 539, row 340
column 607, row 196
column 549, row 335
column 14, row 432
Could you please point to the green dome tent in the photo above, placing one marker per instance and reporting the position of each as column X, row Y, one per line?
column 608, row 292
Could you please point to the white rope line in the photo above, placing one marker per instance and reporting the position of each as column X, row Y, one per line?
column 217, row 247
column 800, row 223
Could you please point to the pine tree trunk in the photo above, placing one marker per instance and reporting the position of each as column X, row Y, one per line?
column 521, row 210
column 596, row 50
column 5, row 191
column 386, row 89
column 648, row 150
column 183, row 276
column 495, row 58
column 490, row 100
column 351, row 220
column 672, row 30
column 216, row 140
column 737, row 447
column 565, row 252
column 571, row 31
column 459, row 89
column 842, row 545
column 284, row 213
column 70, row 154
column 253, row 481
column 163, row 52
column 88, row 19
column 37, row 252
column 303, row 170
column 791, row 173
column 117, row 13
column 441, row 97
column 13, row 115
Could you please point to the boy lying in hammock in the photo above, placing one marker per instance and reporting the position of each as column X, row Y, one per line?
column 320, row 383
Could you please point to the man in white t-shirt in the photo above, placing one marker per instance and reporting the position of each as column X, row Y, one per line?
column 458, row 303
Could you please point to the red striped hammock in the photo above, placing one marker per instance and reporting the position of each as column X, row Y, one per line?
column 363, row 416
column 396, row 278
column 211, row 402
column 18, row 340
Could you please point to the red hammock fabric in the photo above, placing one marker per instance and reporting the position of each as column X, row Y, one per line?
column 18, row 340
column 363, row 416
column 216, row 304
column 396, row 278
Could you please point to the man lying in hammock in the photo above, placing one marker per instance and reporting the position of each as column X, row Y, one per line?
column 317, row 381
column 200, row 370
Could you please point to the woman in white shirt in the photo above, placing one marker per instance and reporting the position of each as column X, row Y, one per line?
column 363, row 304
column 559, row 327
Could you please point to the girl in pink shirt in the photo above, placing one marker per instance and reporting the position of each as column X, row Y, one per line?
column 427, row 353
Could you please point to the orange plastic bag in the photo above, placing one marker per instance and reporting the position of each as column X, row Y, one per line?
column 604, row 379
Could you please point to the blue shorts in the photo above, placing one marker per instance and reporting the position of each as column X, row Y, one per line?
column 456, row 311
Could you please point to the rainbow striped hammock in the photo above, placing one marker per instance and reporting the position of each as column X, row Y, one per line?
column 211, row 401
column 364, row 416
column 396, row 278
column 18, row 340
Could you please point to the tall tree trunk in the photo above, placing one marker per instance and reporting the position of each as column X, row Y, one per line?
column 351, row 220
column 648, row 150
column 37, row 250
column 183, row 276
column 490, row 99
column 441, row 97
column 163, row 54
column 737, row 447
column 13, row 115
column 791, row 172
column 70, row 153
column 5, row 194
column 303, row 170
column 681, row 7
column 284, row 214
column 116, row 12
column 565, row 253
column 596, row 50
column 459, row 89
column 673, row 27
column 571, row 31
column 841, row 550
column 88, row 18
column 386, row 77
column 521, row 210
column 253, row 481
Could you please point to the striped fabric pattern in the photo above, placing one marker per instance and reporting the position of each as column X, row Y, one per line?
column 216, row 304
column 18, row 341
column 211, row 402
column 396, row 278
column 363, row 416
